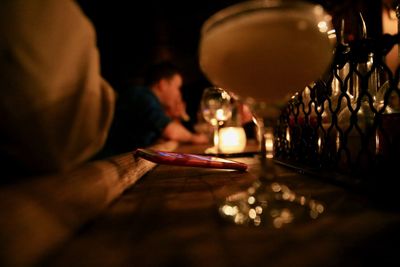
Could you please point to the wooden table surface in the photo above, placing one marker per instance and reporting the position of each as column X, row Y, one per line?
column 170, row 217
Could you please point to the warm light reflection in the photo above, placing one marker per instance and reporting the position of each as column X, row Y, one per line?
column 220, row 114
column 323, row 26
column 252, row 213
column 229, row 210
column 251, row 200
column 251, row 190
column 302, row 200
column 263, row 205
column 337, row 142
column 318, row 10
column 259, row 209
column 332, row 35
column 276, row 187
column 288, row 135
column 269, row 145
column 281, row 217
column 257, row 220
column 319, row 142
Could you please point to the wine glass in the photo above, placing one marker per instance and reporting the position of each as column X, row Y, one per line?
column 216, row 108
column 267, row 50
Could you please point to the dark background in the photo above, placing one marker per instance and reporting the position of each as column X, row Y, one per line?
column 132, row 35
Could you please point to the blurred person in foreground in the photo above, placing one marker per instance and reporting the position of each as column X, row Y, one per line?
column 150, row 113
column 55, row 107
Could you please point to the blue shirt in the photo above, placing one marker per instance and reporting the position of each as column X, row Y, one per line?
column 138, row 122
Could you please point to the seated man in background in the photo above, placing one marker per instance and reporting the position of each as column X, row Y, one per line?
column 55, row 108
column 145, row 114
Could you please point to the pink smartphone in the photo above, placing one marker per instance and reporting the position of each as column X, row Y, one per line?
column 190, row 160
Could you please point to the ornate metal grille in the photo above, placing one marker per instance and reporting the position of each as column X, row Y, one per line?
column 347, row 124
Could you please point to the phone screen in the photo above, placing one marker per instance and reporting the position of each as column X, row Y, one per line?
column 191, row 160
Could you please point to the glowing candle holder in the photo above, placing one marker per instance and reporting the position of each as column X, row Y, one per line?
column 232, row 139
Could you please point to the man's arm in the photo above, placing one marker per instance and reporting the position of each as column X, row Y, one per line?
column 177, row 132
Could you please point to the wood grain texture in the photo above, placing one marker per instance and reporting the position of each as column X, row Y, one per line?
column 170, row 218
column 38, row 215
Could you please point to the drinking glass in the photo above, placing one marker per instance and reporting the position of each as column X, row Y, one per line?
column 216, row 108
column 267, row 50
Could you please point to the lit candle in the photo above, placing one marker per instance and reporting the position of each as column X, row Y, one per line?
column 232, row 139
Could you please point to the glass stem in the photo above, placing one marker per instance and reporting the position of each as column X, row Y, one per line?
column 266, row 137
column 216, row 138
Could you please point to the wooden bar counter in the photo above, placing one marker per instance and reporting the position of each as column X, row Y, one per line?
column 170, row 217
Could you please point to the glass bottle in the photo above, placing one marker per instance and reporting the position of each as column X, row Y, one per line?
column 356, row 142
column 356, row 138
column 337, row 96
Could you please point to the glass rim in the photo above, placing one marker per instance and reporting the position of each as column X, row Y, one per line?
column 249, row 6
